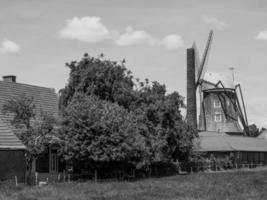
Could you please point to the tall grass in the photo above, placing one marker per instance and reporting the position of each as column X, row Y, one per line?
column 229, row 185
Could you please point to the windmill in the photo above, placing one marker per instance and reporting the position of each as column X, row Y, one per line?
column 222, row 107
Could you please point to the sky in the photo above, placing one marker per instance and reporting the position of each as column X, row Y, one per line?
column 38, row 37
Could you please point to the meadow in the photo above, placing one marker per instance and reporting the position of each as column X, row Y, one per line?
column 240, row 185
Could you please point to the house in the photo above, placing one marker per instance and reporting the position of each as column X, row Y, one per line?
column 12, row 151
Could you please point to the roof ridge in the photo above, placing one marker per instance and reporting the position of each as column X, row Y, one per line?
column 10, row 83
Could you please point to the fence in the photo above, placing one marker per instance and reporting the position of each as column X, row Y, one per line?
column 152, row 171
column 216, row 166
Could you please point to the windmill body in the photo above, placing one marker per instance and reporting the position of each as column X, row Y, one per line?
column 218, row 109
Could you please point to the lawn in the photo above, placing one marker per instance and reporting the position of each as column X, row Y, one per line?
column 224, row 185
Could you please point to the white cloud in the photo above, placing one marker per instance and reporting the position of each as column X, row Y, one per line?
column 87, row 29
column 133, row 37
column 172, row 42
column 92, row 30
column 262, row 35
column 8, row 46
column 213, row 21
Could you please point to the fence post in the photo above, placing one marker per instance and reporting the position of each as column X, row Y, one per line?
column 16, row 181
column 36, row 178
column 95, row 175
column 64, row 176
column 68, row 178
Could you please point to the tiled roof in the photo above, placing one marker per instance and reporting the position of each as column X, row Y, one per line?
column 213, row 141
column 45, row 100
column 8, row 140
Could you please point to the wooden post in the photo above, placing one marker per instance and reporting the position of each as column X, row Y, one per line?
column 68, row 178
column 64, row 176
column 36, row 178
column 16, row 181
column 95, row 175
column 58, row 177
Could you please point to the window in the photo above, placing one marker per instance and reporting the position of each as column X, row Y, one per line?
column 218, row 117
column 217, row 103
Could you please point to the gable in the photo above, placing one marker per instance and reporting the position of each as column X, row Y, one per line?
column 8, row 140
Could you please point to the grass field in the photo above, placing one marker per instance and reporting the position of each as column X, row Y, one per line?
column 227, row 185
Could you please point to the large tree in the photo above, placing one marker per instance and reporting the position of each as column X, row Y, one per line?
column 106, row 79
column 152, row 116
column 98, row 131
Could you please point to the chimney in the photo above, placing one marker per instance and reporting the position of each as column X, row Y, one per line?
column 191, row 114
column 10, row 78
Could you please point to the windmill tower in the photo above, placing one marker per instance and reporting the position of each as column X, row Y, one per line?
column 221, row 109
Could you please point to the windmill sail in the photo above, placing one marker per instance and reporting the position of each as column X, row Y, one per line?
column 203, row 64
column 197, row 59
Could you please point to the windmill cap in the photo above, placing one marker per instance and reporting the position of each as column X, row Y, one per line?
column 214, row 78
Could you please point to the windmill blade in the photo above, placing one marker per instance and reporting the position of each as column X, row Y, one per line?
column 203, row 64
column 197, row 59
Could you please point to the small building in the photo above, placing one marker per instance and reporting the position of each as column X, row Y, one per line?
column 12, row 151
column 245, row 150
column 12, row 154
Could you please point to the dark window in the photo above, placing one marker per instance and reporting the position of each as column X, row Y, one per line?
column 256, row 157
column 42, row 163
column 250, row 157
column 262, row 157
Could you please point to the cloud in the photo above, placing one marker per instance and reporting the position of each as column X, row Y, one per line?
column 213, row 21
column 87, row 29
column 8, row 46
column 262, row 35
column 133, row 37
column 92, row 30
column 172, row 42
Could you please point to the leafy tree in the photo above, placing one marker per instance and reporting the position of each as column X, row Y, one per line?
column 34, row 130
column 170, row 138
column 106, row 79
column 253, row 130
column 99, row 131
column 262, row 130
column 156, row 121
